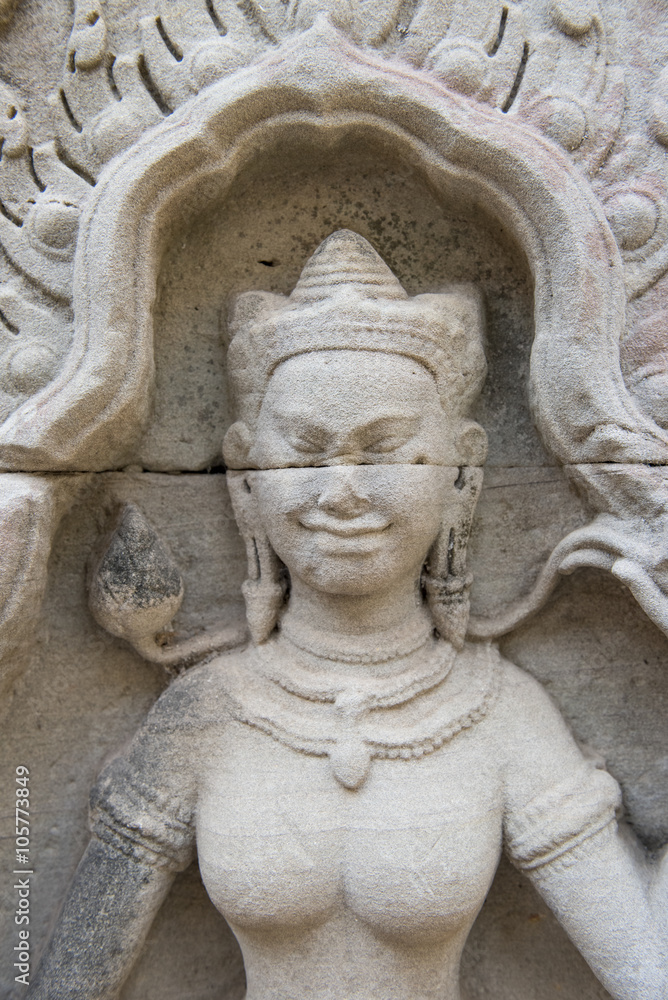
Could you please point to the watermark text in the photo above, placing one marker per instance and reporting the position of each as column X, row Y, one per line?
column 22, row 871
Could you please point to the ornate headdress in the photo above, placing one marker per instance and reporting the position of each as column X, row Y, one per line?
column 347, row 298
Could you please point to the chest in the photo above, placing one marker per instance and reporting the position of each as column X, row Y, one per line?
column 280, row 841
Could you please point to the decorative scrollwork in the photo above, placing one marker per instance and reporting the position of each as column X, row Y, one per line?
column 551, row 68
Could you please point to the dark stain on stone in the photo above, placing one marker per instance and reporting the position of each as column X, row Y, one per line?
column 136, row 567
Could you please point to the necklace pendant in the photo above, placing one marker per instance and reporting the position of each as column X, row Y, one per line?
column 351, row 761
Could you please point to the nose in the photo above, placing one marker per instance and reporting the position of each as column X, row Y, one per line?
column 342, row 494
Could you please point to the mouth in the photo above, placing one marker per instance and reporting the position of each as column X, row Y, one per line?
column 358, row 527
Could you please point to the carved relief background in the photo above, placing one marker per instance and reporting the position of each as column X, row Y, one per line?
column 159, row 158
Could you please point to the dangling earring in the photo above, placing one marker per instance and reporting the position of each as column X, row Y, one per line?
column 262, row 590
column 445, row 578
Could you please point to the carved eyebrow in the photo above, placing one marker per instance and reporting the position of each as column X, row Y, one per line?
column 304, row 417
column 385, row 420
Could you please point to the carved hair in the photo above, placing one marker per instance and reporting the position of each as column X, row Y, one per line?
column 347, row 298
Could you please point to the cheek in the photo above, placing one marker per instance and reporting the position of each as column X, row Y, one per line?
column 417, row 504
column 283, row 495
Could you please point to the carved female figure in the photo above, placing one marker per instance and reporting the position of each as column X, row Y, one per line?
column 349, row 780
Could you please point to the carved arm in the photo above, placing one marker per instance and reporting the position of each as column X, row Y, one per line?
column 107, row 915
column 613, row 903
column 561, row 829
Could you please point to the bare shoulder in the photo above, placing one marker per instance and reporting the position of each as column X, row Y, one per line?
column 533, row 741
column 200, row 695
column 522, row 698
column 518, row 696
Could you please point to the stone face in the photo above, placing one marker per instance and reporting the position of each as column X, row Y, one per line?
column 332, row 372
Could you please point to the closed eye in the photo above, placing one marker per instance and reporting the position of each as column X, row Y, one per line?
column 387, row 434
column 309, row 439
column 319, row 442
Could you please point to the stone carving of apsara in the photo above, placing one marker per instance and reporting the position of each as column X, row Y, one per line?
column 349, row 780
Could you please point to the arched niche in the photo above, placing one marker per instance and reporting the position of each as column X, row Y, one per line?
column 91, row 413
column 303, row 184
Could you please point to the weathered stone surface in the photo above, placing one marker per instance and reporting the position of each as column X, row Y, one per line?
column 166, row 170
column 588, row 627
column 585, row 646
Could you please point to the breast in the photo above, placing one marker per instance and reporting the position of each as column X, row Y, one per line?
column 412, row 853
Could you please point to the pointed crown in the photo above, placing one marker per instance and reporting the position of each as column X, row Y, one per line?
column 347, row 298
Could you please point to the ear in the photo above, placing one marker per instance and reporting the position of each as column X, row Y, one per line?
column 262, row 589
column 236, row 446
column 471, row 444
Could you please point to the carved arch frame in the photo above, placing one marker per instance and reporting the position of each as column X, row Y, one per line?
column 91, row 412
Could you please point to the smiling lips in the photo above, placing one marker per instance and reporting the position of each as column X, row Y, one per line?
column 355, row 527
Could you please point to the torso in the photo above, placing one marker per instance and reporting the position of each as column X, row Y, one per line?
column 366, row 892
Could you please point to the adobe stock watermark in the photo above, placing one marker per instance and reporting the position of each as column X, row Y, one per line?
column 22, row 873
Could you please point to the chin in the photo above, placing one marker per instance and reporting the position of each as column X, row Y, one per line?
column 356, row 574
